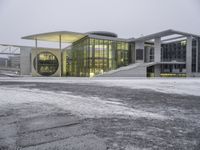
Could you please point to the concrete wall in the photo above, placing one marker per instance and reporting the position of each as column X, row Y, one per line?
column 157, row 70
column 25, row 60
column 36, row 51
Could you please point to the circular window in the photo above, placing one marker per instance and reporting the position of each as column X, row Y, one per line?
column 46, row 63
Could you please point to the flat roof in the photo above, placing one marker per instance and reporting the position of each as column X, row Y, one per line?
column 107, row 38
column 162, row 34
column 66, row 36
column 70, row 37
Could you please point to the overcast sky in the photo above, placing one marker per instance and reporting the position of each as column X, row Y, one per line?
column 127, row 18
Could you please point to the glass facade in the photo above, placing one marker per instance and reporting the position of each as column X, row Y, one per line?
column 173, row 68
column 175, row 51
column 46, row 63
column 89, row 57
column 148, row 52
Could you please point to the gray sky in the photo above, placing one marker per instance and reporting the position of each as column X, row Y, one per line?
column 127, row 18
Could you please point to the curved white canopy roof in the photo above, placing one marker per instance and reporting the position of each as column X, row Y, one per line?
column 61, row 36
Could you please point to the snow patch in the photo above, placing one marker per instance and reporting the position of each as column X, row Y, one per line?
column 82, row 106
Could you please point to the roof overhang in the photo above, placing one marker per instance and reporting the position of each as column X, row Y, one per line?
column 163, row 34
column 61, row 36
column 107, row 38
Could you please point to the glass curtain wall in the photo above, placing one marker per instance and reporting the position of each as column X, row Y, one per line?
column 175, row 51
column 89, row 57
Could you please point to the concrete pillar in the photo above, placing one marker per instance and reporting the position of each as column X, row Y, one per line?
column 60, row 48
column 148, row 54
column 189, row 56
column 132, row 49
column 197, row 56
column 139, row 45
column 25, row 60
column 157, row 50
column 157, row 70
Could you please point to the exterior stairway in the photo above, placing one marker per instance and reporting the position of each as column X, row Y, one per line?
column 132, row 70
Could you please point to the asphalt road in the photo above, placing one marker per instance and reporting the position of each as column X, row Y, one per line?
column 39, row 125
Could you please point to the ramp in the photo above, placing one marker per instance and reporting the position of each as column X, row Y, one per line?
column 132, row 70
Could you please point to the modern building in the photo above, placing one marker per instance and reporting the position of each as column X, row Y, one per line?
column 168, row 53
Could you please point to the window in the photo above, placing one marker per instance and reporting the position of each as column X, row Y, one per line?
column 139, row 54
column 46, row 63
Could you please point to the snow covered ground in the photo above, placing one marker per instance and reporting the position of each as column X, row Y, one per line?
column 84, row 106
column 186, row 86
column 99, row 113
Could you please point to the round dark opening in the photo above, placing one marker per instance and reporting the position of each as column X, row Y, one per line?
column 46, row 63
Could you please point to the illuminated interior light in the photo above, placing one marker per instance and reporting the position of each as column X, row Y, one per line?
column 101, row 71
column 92, row 74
